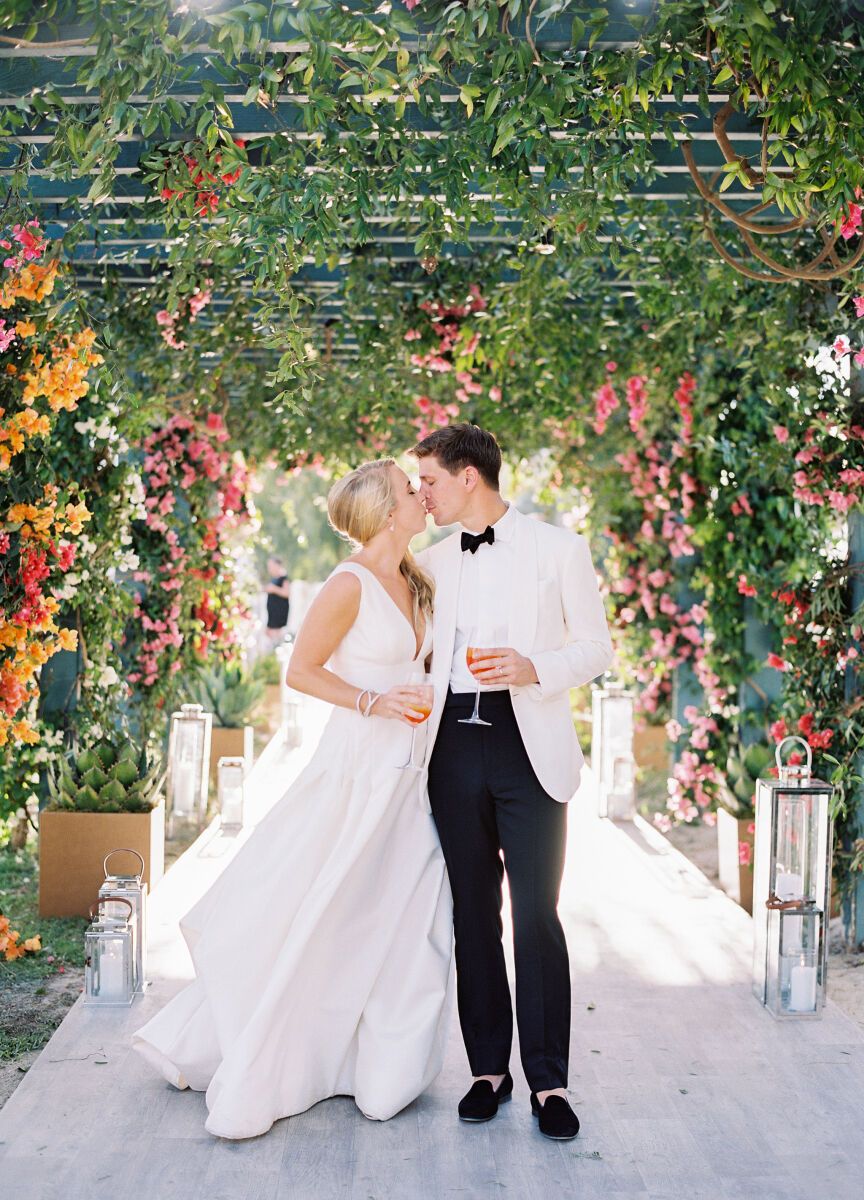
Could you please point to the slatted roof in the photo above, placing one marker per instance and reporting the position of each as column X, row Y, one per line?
column 127, row 233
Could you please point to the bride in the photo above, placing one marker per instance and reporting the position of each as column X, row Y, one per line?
column 322, row 953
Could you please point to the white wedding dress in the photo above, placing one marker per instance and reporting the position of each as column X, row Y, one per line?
column 322, row 954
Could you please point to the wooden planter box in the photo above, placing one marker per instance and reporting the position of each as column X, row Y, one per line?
column 72, row 846
column 230, row 743
column 736, row 877
column 651, row 748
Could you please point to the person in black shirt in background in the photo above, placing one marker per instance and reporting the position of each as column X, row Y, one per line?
column 278, row 604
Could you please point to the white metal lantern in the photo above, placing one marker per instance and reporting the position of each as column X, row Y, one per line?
column 290, row 700
column 109, row 957
column 231, row 774
column 791, row 888
column 188, row 763
column 115, row 892
column 612, row 751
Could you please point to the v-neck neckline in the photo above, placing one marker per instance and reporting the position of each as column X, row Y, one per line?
column 417, row 647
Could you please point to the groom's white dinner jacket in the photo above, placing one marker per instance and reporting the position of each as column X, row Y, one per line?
column 556, row 618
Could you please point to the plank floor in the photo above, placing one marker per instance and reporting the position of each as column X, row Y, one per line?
column 686, row 1088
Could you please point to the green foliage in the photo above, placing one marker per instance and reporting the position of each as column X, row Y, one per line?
column 266, row 670
column 111, row 774
column 744, row 767
column 293, row 513
column 229, row 693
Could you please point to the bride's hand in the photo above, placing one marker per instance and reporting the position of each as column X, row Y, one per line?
column 396, row 703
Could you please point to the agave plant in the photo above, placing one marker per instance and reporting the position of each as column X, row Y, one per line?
column 744, row 766
column 230, row 694
column 112, row 775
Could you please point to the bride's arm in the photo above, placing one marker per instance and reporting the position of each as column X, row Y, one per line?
column 332, row 613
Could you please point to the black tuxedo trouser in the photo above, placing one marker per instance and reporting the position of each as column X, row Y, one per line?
column 493, row 816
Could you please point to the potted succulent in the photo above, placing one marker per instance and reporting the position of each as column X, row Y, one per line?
column 103, row 796
column 230, row 694
column 736, row 820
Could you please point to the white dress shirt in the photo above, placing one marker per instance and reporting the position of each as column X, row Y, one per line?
column 484, row 599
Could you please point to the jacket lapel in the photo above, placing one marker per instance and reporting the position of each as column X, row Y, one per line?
column 522, row 625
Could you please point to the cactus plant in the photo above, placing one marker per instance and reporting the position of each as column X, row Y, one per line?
column 230, row 694
column 111, row 775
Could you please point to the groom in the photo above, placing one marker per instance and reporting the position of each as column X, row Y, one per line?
column 500, row 790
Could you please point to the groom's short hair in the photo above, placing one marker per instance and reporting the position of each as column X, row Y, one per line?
column 460, row 446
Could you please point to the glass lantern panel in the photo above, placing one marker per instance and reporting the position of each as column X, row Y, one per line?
column 110, row 974
column 231, row 789
column 617, row 732
column 795, row 846
column 187, row 766
column 794, row 986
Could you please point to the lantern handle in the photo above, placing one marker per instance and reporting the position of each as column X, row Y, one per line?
column 110, row 900
column 122, row 850
column 781, row 766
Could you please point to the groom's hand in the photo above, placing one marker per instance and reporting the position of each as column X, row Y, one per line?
column 504, row 665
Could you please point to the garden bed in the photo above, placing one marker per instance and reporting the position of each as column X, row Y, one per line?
column 38, row 989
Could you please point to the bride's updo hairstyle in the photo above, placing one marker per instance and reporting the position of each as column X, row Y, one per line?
column 359, row 506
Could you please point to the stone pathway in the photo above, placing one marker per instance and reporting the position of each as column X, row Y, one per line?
column 686, row 1088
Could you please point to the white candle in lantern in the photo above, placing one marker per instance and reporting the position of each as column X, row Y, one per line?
column 802, row 988
column 789, row 885
column 111, row 977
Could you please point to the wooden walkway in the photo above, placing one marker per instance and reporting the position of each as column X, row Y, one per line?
column 686, row 1089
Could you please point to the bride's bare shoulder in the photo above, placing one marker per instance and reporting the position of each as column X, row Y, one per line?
column 340, row 591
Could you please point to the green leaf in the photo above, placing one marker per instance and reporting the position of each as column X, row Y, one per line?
column 722, row 75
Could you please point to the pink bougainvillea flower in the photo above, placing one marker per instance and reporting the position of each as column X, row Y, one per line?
column 858, row 301
column 745, row 854
column 775, row 661
column 858, row 358
column 841, row 346
column 778, row 730
column 781, row 433
column 611, row 366
column 851, row 222
column 745, row 588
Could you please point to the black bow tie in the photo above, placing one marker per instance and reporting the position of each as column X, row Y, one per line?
column 470, row 541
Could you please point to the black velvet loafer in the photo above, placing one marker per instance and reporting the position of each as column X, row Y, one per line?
column 557, row 1118
column 480, row 1102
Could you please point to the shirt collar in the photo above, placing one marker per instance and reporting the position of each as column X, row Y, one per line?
column 505, row 525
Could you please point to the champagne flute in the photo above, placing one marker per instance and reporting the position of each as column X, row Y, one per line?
column 475, row 652
column 419, row 710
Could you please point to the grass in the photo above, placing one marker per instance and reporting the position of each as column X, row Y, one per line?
column 26, row 1022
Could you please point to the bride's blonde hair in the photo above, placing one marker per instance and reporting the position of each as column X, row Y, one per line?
column 359, row 505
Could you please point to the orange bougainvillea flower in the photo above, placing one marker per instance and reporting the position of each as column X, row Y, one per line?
column 12, row 946
column 52, row 367
column 32, row 282
column 68, row 639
